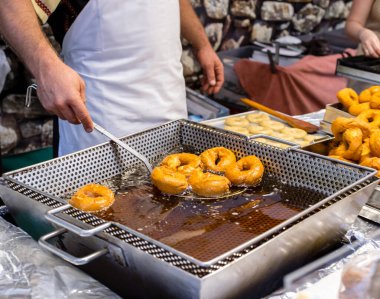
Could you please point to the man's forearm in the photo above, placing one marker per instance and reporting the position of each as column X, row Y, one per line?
column 191, row 28
column 20, row 27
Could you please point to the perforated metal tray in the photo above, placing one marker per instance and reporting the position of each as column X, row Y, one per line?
column 50, row 182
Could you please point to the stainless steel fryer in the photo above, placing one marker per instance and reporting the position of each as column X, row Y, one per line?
column 136, row 265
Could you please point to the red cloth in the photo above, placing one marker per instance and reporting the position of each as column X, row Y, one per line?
column 305, row 86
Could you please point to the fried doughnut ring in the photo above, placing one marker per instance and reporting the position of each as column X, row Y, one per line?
column 236, row 122
column 248, row 171
column 217, row 159
column 366, row 150
column 184, row 163
column 240, row 130
column 253, row 129
column 208, row 184
column 375, row 101
column 353, row 140
column 169, row 180
column 272, row 124
column 92, row 198
column 294, row 132
column 347, row 97
column 257, row 117
column 366, row 94
column 338, row 151
column 374, row 143
column 372, row 117
column 341, row 124
column 356, row 109
column 373, row 162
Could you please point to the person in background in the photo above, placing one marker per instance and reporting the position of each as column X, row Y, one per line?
column 120, row 62
column 363, row 25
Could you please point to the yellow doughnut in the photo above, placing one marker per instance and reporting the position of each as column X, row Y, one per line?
column 236, row 122
column 184, row 163
column 248, row 171
column 208, row 184
column 294, row 132
column 240, row 130
column 92, row 198
column 258, row 130
column 169, row 180
column 217, row 159
column 257, row 117
column 273, row 125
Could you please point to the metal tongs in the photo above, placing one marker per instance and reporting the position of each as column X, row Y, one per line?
column 28, row 101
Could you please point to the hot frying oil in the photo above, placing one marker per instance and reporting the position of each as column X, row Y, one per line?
column 204, row 228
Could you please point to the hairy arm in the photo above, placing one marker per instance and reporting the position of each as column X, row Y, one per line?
column 193, row 31
column 60, row 89
column 355, row 27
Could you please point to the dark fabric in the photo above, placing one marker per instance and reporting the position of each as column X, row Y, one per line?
column 64, row 16
column 303, row 87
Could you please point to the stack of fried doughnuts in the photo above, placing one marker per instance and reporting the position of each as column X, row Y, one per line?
column 355, row 104
column 256, row 123
column 357, row 140
column 210, row 174
column 92, row 198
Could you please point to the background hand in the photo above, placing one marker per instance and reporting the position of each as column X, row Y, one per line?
column 213, row 71
column 62, row 92
column 370, row 43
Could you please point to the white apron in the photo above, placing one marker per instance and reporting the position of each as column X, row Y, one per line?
column 128, row 53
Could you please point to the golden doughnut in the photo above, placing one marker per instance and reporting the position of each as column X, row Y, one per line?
column 253, row 129
column 92, row 198
column 353, row 140
column 217, row 159
column 347, row 97
column 372, row 117
column 241, row 130
column 273, row 125
column 341, row 124
column 248, row 171
column 208, row 184
column 257, row 117
column 236, row 122
column 184, row 163
column 374, row 143
column 375, row 101
column 366, row 150
column 373, row 162
column 356, row 109
column 294, row 132
column 338, row 150
column 169, row 180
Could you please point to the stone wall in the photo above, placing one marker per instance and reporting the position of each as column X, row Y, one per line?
column 229, row 24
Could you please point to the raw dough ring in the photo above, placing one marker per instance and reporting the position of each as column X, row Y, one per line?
column 248, row 171
column 169, row 180
column 236, row 122
column 241, row 130
column 217, row 159
column 92, row 198
column 257, row 117
column 273, row 125
column 253, row 129
column 209, row 184
column 294, row 132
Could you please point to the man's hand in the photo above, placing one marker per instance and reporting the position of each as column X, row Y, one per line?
column 213, row 72
column 62, row 92
column 370, row 43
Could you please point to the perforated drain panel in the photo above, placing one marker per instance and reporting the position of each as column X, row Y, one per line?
column 60, row 177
